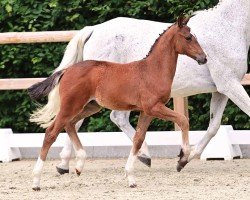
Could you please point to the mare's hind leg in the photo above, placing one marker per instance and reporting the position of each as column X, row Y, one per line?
column 139, row 137
column 121, row 119
column 90, row 109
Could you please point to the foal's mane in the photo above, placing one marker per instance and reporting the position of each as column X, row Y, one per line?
column 156, row 41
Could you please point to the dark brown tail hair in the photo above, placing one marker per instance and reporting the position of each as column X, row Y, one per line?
column 42, row 89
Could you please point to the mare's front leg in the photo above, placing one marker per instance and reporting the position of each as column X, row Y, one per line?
column 159, row 110
column 217, row 107
column 121, row 119
column 139, row 137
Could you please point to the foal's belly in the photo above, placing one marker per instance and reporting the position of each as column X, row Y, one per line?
column 113, row 100
column 118, row 91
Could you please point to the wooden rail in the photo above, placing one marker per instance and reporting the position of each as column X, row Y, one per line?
column 36, row 37
column 246, row 80
column 24, row 83
column 18, row 83
column 180, row 104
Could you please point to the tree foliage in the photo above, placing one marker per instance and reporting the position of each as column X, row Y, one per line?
column 39, row 60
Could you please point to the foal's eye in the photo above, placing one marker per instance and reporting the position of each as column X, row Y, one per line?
column 189, row 38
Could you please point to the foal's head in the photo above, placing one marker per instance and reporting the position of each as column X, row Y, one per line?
column 186, row 43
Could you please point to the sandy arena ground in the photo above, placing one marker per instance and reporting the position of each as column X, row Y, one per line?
column 104, row 179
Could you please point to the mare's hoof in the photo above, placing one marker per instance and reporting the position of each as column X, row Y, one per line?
column 179, row 167
column 78, row 172
column 181, row 164
column 133, row 185
column 36, row 188
column 62, row 171
column 145, row 160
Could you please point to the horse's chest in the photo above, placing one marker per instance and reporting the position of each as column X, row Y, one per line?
column 161, row 89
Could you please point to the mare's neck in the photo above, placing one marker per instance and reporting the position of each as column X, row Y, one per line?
column 162, row 59
column 237, row 14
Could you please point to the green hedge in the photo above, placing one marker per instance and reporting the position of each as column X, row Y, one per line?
column 39, row 60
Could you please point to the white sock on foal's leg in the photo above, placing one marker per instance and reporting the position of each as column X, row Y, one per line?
column 129, row 169
column 37, row 174
column 80, row 160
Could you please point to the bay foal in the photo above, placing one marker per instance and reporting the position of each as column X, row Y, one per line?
column 144, row 86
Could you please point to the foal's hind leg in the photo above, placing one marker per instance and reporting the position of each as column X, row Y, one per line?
column 90, row 109
column 139, row 137
column 70, row 107
column 66, row 152
column 50, row 137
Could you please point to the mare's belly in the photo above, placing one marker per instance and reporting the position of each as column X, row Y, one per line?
column 191, row 78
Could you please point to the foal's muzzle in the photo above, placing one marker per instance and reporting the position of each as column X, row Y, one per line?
column 201, row 59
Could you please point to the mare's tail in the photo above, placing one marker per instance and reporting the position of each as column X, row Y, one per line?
column 74, row 50
column 74, row 53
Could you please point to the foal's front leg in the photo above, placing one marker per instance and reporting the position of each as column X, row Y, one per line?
column 162, row 112
column 139, row 137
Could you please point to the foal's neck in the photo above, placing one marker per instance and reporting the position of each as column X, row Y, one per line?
column 162, row 59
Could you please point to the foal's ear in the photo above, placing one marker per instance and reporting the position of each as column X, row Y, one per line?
column 185, row 20
column 182, row 20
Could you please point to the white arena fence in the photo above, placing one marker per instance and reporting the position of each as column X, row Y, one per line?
column 224, row 145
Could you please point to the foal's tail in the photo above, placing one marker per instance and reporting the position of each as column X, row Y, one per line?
column 45, row 115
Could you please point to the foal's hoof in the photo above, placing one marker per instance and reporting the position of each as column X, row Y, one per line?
column 62, row 171
column 133, row 185
column 78, row 172
column 36, row 188
column 145, row 160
